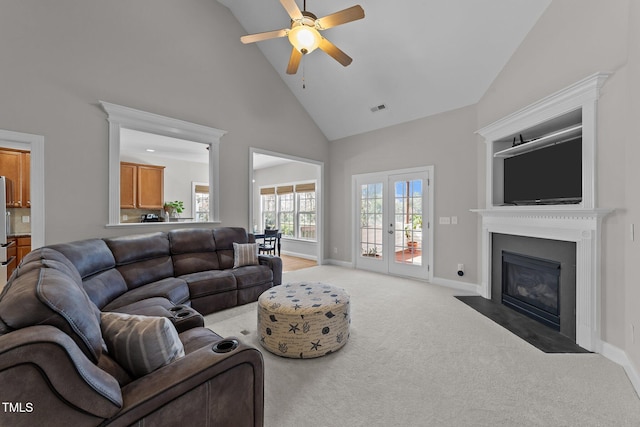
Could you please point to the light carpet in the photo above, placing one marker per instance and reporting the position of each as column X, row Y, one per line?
column 417, row 356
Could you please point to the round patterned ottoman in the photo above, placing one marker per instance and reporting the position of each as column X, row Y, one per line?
column 303, row 320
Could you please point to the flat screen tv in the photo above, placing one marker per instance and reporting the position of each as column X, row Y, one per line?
column 550, row 175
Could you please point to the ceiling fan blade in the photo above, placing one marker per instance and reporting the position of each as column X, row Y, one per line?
column 334, row 52
column 292, row 9
column 294, row 61
column 251, row 38
column 352, row 13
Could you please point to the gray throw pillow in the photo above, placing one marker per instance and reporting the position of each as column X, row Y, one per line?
column 245, row 254
column 140, row 344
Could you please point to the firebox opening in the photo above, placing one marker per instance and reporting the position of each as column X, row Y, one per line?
column 531, row 286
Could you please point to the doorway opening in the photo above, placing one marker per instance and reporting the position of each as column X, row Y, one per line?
column 286, row 193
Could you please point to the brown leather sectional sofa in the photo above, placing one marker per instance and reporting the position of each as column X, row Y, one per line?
column 55, row 364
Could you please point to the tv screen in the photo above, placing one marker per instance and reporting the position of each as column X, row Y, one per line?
column 550, row 175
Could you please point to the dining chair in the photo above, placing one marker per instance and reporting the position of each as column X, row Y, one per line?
column 269, row 240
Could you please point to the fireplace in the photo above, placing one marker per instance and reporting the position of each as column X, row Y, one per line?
column 531, row 286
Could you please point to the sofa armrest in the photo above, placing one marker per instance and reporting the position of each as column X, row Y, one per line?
column 202, row 388
column 49, row 381
column 275, row 264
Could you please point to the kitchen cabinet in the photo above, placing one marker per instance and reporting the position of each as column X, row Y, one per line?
column 15, row 165
column 20, row 248
column 26, row 181
column 141, row 186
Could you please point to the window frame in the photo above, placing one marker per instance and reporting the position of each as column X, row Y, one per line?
column 120, row 117
column 287, row 190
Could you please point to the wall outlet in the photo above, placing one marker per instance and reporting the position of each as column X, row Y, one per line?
column 445, row 220
column 335, row 251
column 26, row 219
column 125, row 217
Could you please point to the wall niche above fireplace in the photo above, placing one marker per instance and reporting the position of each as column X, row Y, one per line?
column 544, row 154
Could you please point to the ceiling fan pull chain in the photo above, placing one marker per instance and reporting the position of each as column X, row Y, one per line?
column 304, row 86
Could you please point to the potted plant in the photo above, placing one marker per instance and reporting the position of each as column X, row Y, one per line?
column 173, row 208
column 416, row 224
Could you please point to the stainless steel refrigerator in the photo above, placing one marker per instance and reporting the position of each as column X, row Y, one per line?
column 6, row 261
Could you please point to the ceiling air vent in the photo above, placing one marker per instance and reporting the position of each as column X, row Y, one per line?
column 378, row 108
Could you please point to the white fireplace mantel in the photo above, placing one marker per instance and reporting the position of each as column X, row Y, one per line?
column 573, row 225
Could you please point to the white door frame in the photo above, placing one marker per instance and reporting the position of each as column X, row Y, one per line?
column 35, row 144
column 429, row 215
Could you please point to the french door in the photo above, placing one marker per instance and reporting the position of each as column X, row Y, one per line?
column 393, row 216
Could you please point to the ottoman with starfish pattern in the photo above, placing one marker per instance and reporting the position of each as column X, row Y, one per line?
column 304, row 319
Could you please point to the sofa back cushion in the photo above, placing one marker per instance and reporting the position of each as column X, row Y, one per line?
column 96, row 265
column 49, row 296
column 142, row 258
column 193, row 250
column 225, row 237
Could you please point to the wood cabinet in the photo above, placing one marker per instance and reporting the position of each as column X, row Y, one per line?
column 20, row 248
column 15, row 165
column 141, row 186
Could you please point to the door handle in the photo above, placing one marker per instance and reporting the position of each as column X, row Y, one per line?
column 390, row 231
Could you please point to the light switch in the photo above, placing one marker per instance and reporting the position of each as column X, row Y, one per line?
column 445, row 220
column 454, row 220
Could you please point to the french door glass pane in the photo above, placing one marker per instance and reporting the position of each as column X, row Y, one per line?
column 371, row 220
column 408, row 222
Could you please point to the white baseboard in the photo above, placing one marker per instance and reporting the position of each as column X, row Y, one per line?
column 346, row 264
column 455, row 284
column 619, row 356
column 298, row 255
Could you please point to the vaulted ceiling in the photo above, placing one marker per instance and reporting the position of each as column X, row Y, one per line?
column 415, row 57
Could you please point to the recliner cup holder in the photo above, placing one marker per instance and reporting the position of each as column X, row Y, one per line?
column 182, row 314
column 177, row 308
column 225, row 346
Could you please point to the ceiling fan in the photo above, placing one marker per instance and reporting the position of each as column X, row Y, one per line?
column 304, row 33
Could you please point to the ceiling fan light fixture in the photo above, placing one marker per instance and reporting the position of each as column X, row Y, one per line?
column 304, row 38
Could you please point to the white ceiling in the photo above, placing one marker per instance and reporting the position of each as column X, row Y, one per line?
column 417, row 57
column 137, row 144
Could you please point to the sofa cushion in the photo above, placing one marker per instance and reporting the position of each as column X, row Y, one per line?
column 54, row 259
column 195, row 262
column 142, row 258
column 138, row 247
column 104, row 287
column 48, row 296
column 141, row 273
column 172, row 288
column 141, row 344
column 209, row 282
column 245, row 254
column 88, row 256
column 253, row 275
column 224, row 238
column 190, row 240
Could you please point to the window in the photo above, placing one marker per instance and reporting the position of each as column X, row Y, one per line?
column 306, row 194
column 286, row 211
column 268, row 207
column 200, row 202
column 291, row 209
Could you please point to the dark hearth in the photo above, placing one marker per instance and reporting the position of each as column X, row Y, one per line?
column 531, row 286
column 535, row 333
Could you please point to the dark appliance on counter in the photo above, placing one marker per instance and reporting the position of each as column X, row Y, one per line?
column 149, row 218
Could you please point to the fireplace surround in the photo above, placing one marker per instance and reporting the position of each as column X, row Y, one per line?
column 544, row 272
column 579, row 223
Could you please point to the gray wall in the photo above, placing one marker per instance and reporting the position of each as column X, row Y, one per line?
column 178, row 59
column 572, row 40
column 445, row 141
